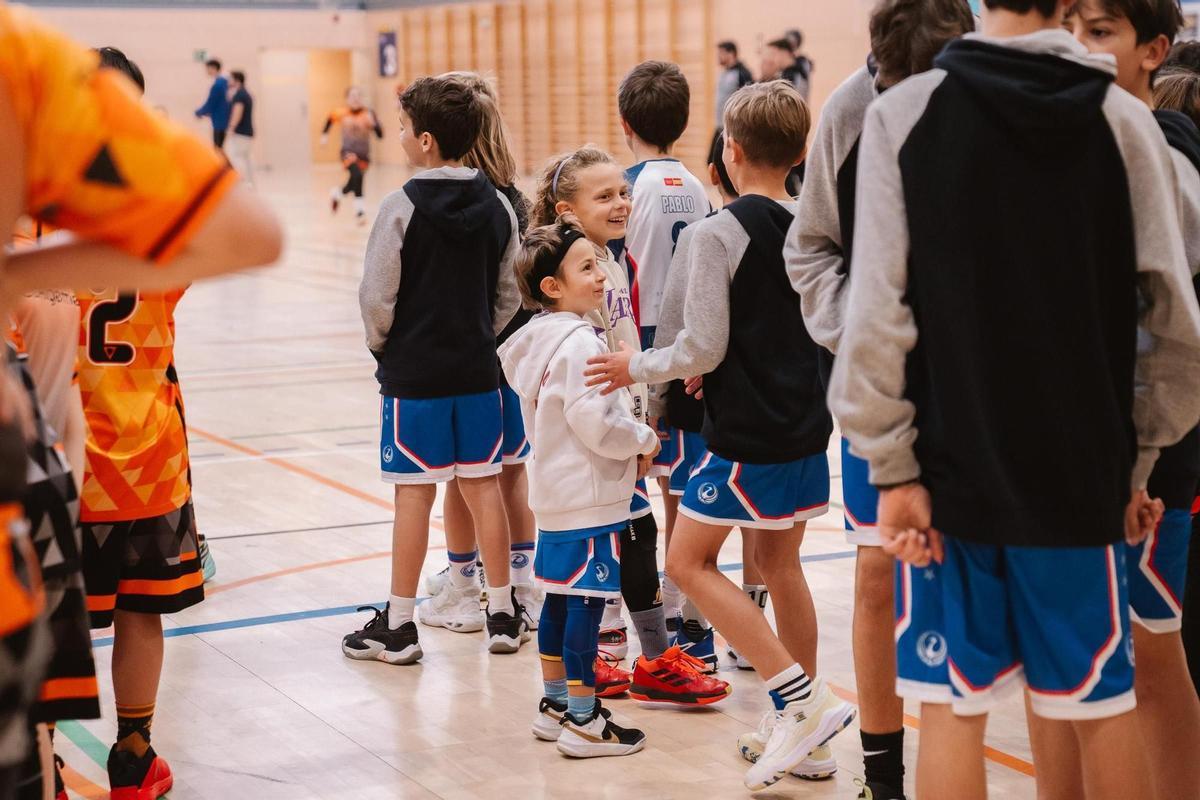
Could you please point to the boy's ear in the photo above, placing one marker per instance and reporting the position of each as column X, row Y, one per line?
column 550, row 287
column 736, row 154
column 625, row 127
column 714, row 177
column 1156, row 53
column 803, row 155
column 427, row 142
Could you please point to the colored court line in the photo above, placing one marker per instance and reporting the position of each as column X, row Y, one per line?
column 94, row 749
column 298, row 530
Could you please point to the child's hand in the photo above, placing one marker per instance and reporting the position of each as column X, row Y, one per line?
column 611, row 369
column 1142, row 516
column 905, row 525
column 644, row 463
column 695, row 386
column 662, row 435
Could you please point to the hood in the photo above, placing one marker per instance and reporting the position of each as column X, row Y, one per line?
column 452, row 199
column 527, row 352
column 1042, row 88
column 1181, row 134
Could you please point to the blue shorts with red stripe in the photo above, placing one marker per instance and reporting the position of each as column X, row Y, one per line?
column 640, row 505
column 689, row 449
column 758, row 496
column 1158, row 573
column 516, row 444
column 860, row 498
column 990, row 618
column 585, row 561
column 433, row 440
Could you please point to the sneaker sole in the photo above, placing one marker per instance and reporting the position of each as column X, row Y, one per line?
column 456, row 624
column 647, row 695
column 546, row 729
column 613, row 690
column 505, row 644
column 807, row 771
column 409, row 655
column 152, row 792
column 574, row 747
column 832, row 723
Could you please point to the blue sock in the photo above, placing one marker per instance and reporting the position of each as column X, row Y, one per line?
column 580, row 708
column 555, row 690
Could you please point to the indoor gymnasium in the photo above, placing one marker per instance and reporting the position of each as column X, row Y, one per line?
column 562, row 399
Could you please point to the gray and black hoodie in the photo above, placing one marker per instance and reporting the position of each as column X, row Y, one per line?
column 438, row 284
column 1016, row 226
column 742, row 330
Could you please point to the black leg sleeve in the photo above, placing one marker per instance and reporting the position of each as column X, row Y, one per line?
column 639, row 564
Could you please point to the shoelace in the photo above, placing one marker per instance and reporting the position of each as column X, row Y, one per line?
column 607, row 656
column 375, row 621
column 688, row 664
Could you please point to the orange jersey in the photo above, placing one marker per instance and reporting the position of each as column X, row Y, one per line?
column 136, row 462
column 97, row 161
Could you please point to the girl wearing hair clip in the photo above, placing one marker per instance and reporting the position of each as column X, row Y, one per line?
column 588, row 449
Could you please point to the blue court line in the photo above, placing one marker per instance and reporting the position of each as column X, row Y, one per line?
column 337, row 611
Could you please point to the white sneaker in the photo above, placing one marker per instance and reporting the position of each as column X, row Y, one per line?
column 738, row 659
column 547, row 726
column 819, row 765
column 435, row 582
column 614, row 642
column 599, row 736
column 531, row 598
column 797, row 730
column 453, row 609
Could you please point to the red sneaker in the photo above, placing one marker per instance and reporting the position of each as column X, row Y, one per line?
column 133, row 778
column 676, row 677
column 611, row 680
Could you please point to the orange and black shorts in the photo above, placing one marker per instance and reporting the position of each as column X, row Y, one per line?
column 150, row 566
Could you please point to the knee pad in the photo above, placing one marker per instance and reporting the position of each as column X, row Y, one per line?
column 639, row 564
column 580, row 640
column 552, row 626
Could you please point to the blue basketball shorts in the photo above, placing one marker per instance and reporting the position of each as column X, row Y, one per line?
column 861, row 500
column 433, row 440
column 689, row 449
column 668, row 450
column 1158, row 572
column 991, row 618
column 757, row 496
column 516, row 444
column 585, row 562
column 640, row 505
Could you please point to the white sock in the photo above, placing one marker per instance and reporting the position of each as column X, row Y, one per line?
column 463, row 574
column 612, row 615
column 690, row 612
column 335, row 193
column 672, row 597
column 500, row 599
column 360, row 207
column 790, row 686
column 520, row 556
column 400, row 610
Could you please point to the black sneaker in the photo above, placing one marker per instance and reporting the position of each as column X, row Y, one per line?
column 598, row 736
column 507, row 632
column 877, row 791
column 378, row 642
column 133, row 778
column 60, row 789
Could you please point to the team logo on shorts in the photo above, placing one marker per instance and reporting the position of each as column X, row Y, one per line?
column 519, row 560
column 707, row 493
column 388, row 454
column 931, row 649
column 602, row 573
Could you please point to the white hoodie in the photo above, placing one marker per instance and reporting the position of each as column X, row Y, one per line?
column 584, row 444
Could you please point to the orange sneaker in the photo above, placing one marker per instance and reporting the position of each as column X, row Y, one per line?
column 611, row 680
column 675, row 677
column 133, row 778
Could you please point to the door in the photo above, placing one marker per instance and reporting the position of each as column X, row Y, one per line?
column 282, row 109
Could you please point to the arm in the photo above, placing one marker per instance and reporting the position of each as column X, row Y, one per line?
column 378, row 127
column 212, row 102
column 670, row 315
column 74, row 438
column 700, row 347
column 604, row 423
column 508, row 296
column 813, row 250
column 866, row 393
column 242, row 232
column 235, row 115
column 381, row 269
column 1166, row 398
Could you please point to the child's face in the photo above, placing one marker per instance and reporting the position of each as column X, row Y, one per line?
column 354, row 99
column 411, row 142
column 602, row 202
column 579, row 285
column 1102, row 32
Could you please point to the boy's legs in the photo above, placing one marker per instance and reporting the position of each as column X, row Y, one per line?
column 1115, row 762
column 483, row 498
column 410, row 541
column 514, row 493
column 1169, row 713
column 950, row 756
column 1055, row 749
column 137, row 661
column 778, row 557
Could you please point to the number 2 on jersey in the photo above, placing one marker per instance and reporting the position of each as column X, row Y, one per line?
column 102, row 314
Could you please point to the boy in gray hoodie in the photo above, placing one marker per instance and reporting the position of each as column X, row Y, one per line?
column 588, row 449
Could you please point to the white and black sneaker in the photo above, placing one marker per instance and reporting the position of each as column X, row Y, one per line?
column 548, row 724
column 598, row 736
column 507, row 632
column 435, row 582
column 377, row 642
column 532, row 599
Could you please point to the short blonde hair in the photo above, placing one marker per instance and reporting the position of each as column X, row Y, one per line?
column 769, row 121
column 491, row 153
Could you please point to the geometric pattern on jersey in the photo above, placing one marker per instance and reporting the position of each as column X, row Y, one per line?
column 990, row 617
column 860, row 500
column 136, row 456
column 99, row 162
column 758, row 496
column 150, row 566
column 1158, row 573
column 357, row 127
column 584, row 562
column 69, row 689
column 431, row 440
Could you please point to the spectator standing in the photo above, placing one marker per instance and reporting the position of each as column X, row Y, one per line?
column 216, row 106
column 241, row 123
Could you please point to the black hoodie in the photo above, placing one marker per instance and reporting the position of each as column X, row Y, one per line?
column 438, row 285
column 991, row 336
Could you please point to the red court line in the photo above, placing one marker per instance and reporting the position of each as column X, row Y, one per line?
column 82, row 786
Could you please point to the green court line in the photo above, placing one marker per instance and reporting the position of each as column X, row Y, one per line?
column 85, row 740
